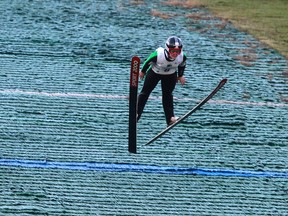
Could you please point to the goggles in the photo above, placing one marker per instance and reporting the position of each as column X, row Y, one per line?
column 175, row 50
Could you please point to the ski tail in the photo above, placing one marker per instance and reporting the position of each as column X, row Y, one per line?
column 200, row 104
column 133, row 91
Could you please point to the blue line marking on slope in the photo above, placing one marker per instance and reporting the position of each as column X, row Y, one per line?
column 115, row 167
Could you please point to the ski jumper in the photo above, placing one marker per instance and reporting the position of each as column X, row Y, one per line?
column 158, row 66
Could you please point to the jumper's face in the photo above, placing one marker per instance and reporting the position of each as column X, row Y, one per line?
column 174, row 52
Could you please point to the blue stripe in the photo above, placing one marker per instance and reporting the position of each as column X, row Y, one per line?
column 115, row 167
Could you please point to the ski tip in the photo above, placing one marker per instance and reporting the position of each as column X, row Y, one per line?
column 224, row 80
column 135, row 58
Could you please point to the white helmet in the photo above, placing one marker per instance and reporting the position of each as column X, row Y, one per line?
column 173, row 42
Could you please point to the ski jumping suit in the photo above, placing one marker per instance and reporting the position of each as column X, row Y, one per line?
column 158, row 66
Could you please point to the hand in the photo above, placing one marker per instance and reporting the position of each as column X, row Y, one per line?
column 182, row 80
column 141, row 75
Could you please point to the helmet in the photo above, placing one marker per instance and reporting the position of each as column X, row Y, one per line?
column 173, row 42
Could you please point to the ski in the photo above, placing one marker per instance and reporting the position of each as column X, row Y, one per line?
column 133, row 91
column 200, row 104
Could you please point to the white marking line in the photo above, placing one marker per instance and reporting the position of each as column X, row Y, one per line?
column 57, row 94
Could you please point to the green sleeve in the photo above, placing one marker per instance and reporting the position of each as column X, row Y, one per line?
column 147, row 63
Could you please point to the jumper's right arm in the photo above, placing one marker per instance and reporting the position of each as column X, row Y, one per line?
column 149, row 61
